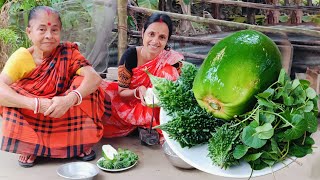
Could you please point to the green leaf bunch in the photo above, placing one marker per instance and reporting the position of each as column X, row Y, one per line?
column 176, row 97
column 9, row 37
column 150, row 4
column 1, row 3
column 191, row 128
column 123, row 159
column 26, row 5
column 190, row 124
column 280, row 125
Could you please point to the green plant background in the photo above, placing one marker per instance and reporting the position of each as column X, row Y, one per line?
column 75, row 18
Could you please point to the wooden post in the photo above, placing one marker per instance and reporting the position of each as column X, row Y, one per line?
column 296, row 15
column 251, row 13
column 216, row 11
column 287, row 55
column 122, row 27
column 273, row 15
column 162, row 5
column 286, row 2
column 309, row 2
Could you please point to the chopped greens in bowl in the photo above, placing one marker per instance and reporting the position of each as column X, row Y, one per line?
column 123, row 159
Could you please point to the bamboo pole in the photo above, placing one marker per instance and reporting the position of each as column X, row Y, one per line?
column 122, row 27
column 244, row 4
column 263, row 6
column 195, row 56
column 194, row 40
column 282, row 30
column 305, row 45
column 214, row 40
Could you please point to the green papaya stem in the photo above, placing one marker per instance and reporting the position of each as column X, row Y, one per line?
column 278, row 105
column 273, row 84
column 278, row 116
column 279, row 151
column 244, row 115
column 282, row 151
column 304, row 104
column 251, row 114
column 277, row 124
column 304, row 137
column 287, row 151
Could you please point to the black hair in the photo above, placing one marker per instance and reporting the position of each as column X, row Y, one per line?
column 158, row 17
column 35, row 10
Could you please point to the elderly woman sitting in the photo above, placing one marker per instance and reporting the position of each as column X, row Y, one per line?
column 50, row 98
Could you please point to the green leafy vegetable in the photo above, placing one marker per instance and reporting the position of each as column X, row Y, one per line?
column 176, row 97
column 280, row 125
column 251, row 139
column 240, row 151
column 190, row 124
column 190, row 129
column 123, row 159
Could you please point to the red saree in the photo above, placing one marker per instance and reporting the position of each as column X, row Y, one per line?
column 72, row 134
column 126, row 116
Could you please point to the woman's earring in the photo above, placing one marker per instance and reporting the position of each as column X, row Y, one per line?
column 167, row 47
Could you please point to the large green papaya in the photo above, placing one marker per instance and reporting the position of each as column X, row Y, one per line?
column 238, row 67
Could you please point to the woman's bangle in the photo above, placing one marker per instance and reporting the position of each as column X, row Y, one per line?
column 79, row 97
column 37, row 106
column 135, row 93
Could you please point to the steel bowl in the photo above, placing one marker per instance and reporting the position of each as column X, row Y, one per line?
column 78, row 170
column 174, row 159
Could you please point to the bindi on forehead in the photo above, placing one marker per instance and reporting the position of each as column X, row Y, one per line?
column 49, row 23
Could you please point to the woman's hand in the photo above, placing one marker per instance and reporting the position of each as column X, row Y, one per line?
column 60, row 105
column 141, row 92
column 45, row 103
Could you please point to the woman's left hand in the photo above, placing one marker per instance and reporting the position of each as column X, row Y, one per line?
column 142, row 92
column 60, row 105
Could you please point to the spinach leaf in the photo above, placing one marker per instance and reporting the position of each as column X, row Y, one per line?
column 251, row 139
column 240, row 151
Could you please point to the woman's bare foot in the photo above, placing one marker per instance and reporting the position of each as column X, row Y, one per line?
column 87, row 155
column 26, row 160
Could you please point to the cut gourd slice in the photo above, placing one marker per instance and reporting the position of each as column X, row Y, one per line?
column 148, row 98
column 108, row 152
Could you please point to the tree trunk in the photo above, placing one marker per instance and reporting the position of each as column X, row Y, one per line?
column 185, row 25
column 309, row 2
column 162, row 5
column 216, row 11
column 286, row 2
column 169, row 5
column 122, row 27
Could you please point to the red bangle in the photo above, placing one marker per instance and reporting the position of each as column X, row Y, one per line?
column 79, row 97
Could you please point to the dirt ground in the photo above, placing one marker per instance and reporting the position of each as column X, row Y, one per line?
column 152, row 165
